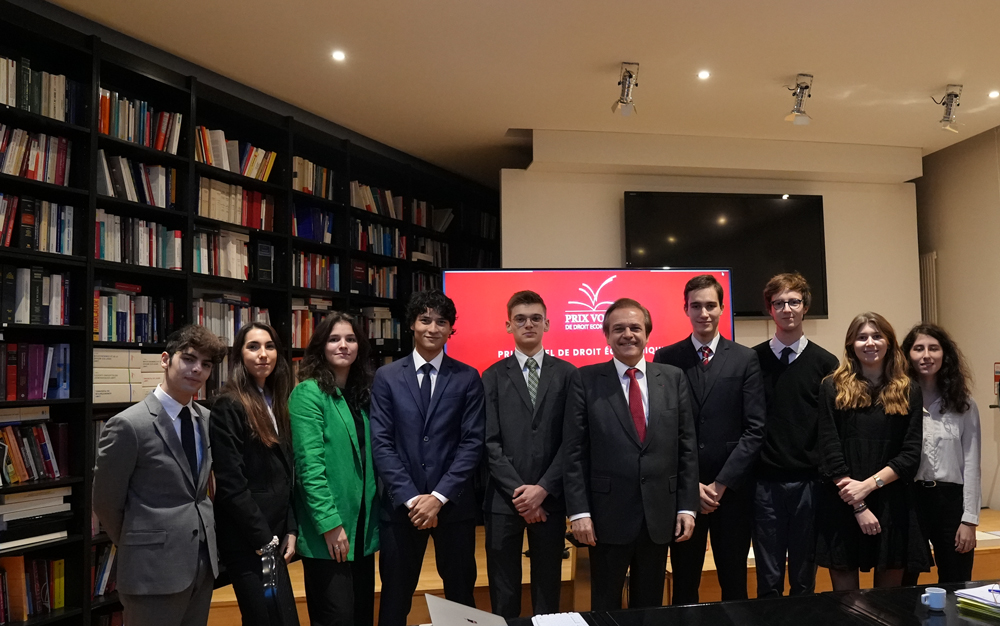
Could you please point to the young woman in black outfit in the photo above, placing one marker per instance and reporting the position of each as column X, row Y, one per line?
column 251, row 448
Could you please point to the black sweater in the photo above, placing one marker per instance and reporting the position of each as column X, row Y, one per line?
column 791, row 450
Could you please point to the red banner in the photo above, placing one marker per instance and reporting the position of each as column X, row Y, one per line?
column 575, row 301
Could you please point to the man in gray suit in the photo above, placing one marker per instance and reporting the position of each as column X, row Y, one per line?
column 151, row 490
column 529, row 395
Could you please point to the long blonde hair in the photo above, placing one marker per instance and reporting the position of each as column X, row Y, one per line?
column 849, row 381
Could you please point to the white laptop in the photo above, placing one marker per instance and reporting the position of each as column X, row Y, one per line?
column 447, row 613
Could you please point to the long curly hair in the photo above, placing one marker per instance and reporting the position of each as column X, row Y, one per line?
column 314, row 365
column 853, row 390
column 953, row 379
column 242, row 388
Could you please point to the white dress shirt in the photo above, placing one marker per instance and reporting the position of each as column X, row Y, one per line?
column 777, row 348
column 713, row 345
column 522, row 360
column 418, row 362
column 951, row 452
column 173, row 409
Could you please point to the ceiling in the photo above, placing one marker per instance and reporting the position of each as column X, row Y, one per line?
column 444, row 80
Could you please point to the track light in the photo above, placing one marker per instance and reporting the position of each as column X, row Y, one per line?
column 950, row 102
column 628, row 79
column 802, row 89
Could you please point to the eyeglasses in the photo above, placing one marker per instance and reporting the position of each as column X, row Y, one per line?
column 779, row 305
column 521, row 320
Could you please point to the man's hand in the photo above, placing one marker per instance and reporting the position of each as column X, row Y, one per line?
column 535, row 515
column 287, row 549
column 423, row 513
column 529, row 497
column 583, row 531
column 337, row 544
column 710, row 496
column 684, row 528
column 854, row 492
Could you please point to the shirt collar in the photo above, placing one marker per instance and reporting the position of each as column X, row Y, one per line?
column 418, row 361
column 522, row 358
column 171, row 406
column 797, row 347
column 713, row 344
column 622, row 368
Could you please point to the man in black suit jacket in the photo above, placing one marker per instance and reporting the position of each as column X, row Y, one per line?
column 631, row 476
column 728, row 400
column 528, row 397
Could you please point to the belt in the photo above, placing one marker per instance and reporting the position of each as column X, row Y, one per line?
column 926, row 483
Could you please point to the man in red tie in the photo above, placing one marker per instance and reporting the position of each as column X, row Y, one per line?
column 631, row 467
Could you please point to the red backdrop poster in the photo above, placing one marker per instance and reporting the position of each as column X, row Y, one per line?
column 575, row 301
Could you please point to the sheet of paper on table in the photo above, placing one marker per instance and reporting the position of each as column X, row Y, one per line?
column 558, row 619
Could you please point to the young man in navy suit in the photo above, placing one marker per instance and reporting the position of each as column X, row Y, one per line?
column 529, row 395
column 427, row 424
column 727, row 394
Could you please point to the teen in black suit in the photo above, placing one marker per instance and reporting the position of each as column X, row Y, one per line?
column 728, row 400
column 631, row 465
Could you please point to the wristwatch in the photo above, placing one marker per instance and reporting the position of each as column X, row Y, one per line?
column 878, row 481
column 271, row 546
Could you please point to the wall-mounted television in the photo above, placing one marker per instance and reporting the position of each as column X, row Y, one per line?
column 754, row 235
column 575, row 302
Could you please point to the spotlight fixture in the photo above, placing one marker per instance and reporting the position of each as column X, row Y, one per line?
column 704, row 74
column 338, row 55
column 628, row 79
column 995, row 94
column 803, row 90
column 950, row 102
column 784, row 196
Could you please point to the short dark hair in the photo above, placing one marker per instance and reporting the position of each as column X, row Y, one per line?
column 433, row 299
column 198, row 337
column 703, row 281
column 524, row 297
column 627, row 303
column 789, row 281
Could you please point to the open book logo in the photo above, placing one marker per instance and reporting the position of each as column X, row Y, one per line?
column 594, row 303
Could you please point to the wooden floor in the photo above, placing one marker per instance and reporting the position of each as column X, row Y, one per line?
column 576, row 579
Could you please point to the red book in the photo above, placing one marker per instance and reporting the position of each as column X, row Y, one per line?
column 105, row 112
column 161, row 131
column 11, row 371
column 22, row 371
column 36, row 370
column 9, row 220
column 255, row 220
column 129, row 287
column 61, row 162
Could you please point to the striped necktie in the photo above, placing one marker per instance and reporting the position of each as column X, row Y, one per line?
column 532, row 378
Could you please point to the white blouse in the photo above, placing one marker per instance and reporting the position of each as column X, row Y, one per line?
column 951, row 451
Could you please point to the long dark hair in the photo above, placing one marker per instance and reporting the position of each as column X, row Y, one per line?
column 953, row 377
column 242, row 388
column 315, row 366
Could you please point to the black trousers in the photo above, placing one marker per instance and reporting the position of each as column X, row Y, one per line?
column 402, row 555
column 785, row 524
column 247, row 575
column 504, row 540
column 730, row 527
column 340, row 594
column 643, row 561
column 939, row 510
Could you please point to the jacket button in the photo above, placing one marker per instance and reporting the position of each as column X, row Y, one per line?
column 194, row 533
column 701, row 445
column 643, row 480
column 426, row 438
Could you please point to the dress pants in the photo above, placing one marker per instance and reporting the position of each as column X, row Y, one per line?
column 730, row 527
column 643, row 561
column 185, row 608
column 504, row 541
column 939, row 510
column 785, row 523
column 246, row 572
column 340, row 594
column 402, row 555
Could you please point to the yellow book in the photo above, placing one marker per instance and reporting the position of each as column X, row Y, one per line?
column 57, row 583
column 270, row 163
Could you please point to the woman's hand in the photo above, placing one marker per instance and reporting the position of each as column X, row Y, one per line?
column 854, row 492
column 868, row 522
column 965, row 538
column 337, row 544
column 287, row 548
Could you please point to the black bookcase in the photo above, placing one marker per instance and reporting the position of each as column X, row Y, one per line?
column 472, row 237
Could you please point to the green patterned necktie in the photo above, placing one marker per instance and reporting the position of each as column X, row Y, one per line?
column 532, row 379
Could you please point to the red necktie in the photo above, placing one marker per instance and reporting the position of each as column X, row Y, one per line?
column 635, row 404
column 706, row 354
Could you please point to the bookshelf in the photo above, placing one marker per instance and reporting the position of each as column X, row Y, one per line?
column 307, row 187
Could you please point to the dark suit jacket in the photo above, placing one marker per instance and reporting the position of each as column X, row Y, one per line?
column 416, row 454
column 524, row 444
column 253, row 483
column 729, row 408
column 620, row 481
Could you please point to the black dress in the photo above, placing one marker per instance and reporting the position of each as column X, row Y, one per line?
column 859, row 443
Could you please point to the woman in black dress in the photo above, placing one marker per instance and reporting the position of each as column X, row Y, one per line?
column 870, row 426
column 252, row 460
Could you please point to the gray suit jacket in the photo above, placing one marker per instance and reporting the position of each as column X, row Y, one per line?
column 154, row 510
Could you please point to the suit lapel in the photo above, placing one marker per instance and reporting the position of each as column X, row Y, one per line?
column 443, row 378
column 691, row 364
column 206, row 466
column 517, row 379
column 616, row 396
column 410, row 376
column 345, row 416
column 657, row 400
column 165, row 427
column 718, row 362
column 543, row 386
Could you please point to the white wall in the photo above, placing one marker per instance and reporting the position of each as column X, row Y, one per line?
column 958, row 203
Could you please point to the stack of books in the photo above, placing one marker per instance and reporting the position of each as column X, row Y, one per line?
column 226, row 313
column 105, row 570
column 980, row 603
column 212, row 148
column 35, row 156
column 124, row 375
column 121, row 178
column 312, row 224
column 31, row 448
column 222, row 253
column 375, row 200
column 312, row 179
column 306, row 316
column 40, row 225
column 234, row 204
column 378, row 239
column 136, row 242
column 380, row 324
column 50, row 95
column 33, row 295
column 35, row 371
column 122, row 314
column 31, row 587
column 315, row 271
column 138, row 122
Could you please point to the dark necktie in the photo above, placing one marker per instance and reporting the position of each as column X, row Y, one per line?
column 706, row 354
column 187, row 440
column 786, row 355
column 635, row 404
column 425, row 386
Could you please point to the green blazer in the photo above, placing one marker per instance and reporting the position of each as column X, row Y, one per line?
column 328, row 467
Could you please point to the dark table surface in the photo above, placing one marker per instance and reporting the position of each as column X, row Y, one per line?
column 899, row 606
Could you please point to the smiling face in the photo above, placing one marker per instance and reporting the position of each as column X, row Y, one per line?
column 787, row 310
column 870, row 346
column 704, row 309
column 926, row 356
column 341, row 348
column 260, row 355
column 527, row 323
column 184, row 373
column 627, row 334
column 430, row 332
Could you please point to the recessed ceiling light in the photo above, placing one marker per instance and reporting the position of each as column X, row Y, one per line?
column 784, row 196
column 704, row 74
column 995, row 94
column 671, row 239
column 338, row 55
column 722, row 220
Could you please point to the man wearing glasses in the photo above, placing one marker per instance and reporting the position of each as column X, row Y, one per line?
column 528, row 397
column 787, row 475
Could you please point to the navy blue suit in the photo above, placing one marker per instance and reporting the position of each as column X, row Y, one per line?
column 418, row 454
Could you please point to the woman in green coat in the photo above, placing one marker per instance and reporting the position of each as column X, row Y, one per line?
column 335, row 501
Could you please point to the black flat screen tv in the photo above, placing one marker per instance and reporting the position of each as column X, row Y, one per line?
column 754, row 235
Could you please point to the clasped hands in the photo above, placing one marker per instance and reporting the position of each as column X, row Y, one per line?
column 424, row 511
column 711, row 496
column 528, row 502
column 854, row 492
